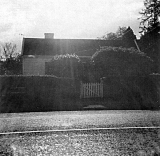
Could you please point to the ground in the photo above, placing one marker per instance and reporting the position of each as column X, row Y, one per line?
column 81, row 133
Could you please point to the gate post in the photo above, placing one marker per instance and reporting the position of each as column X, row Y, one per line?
column 101, row 87
column 81, row 89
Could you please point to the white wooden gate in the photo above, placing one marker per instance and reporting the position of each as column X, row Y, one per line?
column 89, row 90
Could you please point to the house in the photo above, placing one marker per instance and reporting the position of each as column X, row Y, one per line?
column 37, row 51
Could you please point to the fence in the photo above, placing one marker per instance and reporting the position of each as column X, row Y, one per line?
column 90, row 90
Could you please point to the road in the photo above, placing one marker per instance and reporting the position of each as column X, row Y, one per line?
column 77, row 120
column 127, row 142
column 81, row 133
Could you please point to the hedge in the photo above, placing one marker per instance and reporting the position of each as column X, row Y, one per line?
column 50, row 93
column 38, row 93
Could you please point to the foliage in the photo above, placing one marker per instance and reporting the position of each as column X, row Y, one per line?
column 114, row 36
column 149, row 30
column 9, row 50
column 38, row 93
column 132, row 69
column 121, row 31
column 68, row 56
column 121, row 61
column 12, row 66
column 11, row 60
column 109, row 36
column 149, row 43
column 149, row 16
column 124, row 34
column 64, row 66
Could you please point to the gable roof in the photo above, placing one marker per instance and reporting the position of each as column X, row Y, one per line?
column 81, row 47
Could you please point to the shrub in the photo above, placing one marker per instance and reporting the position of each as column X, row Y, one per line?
column 64, row 66
column 121, row 61
column 132, row 69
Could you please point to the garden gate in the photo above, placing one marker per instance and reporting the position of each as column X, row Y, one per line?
column 90, row 90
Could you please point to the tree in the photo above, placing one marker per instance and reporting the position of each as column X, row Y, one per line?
column 149, row 16
column 124, row 35
column 114, row 36
column 149, row 30
column 9, row 51
column 11, row 60
column 109, row 36
column 121, row 31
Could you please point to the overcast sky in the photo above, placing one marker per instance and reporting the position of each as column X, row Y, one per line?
column 66, row 18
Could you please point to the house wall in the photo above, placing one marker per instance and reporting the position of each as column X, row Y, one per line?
column 35, row 65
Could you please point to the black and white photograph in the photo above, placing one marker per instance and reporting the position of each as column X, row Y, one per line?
column 79, row 77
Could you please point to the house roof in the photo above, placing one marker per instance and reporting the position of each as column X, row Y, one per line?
column 81, row 47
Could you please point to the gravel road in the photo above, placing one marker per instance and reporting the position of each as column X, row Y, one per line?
column 126, row 142
column 77, row 119
column 64, row 141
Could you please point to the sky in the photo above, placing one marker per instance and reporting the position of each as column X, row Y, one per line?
column 66, row 18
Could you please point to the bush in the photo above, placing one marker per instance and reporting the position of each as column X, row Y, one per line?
column 121, row 62
column 68, row 66
column 126, row 73
column 11, row 66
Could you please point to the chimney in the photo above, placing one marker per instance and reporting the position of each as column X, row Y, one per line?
column 49, row 35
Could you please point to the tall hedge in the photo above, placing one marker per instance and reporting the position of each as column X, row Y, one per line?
column 121, row 62
column 126, row 72
column 38, row 93
column 68, row 66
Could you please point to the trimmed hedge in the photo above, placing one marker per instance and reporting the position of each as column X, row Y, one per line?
column 49, row 93
column 38, row 93
column 68, row 65
column 133, row 92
